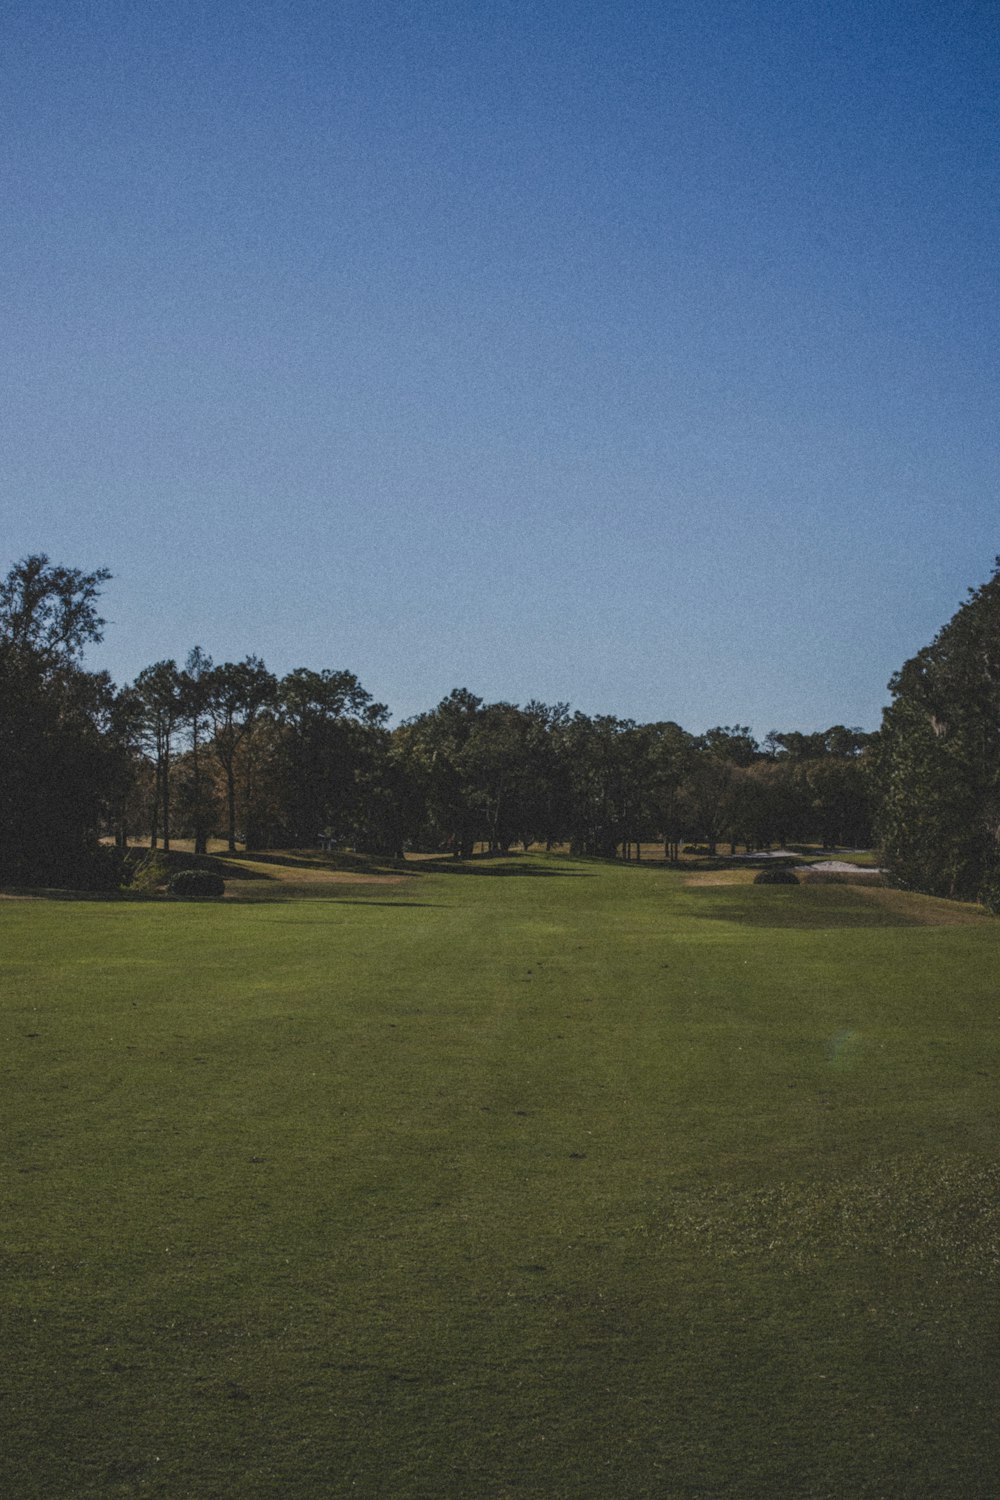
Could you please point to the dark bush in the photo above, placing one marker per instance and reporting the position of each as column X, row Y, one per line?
column 776, row 875
column 196, row 883
column 103, row 870
column 989, row 893
column 95, row 868
column 99, row 868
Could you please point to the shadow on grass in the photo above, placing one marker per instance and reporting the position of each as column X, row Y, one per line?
column 505, row 868
column 816, row 907
column 53, row 893
column 236, row 872
column 396, row 905
column 331, row 901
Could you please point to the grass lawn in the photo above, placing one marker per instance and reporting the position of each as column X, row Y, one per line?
column 537, row 1177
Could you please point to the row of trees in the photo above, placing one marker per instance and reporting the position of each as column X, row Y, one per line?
column 231, row 749
column 204, row 749
column 276, row 762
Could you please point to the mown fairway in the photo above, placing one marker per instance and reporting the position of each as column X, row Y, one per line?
column 552, row 1179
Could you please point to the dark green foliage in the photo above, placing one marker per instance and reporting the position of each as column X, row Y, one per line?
column 327, row 733
column 55, row 760
column 938, row 757
column 196, row 883
column 208, row 750
column 776, row 875
column 237, row 699
column 48, row 612
column 97, row 868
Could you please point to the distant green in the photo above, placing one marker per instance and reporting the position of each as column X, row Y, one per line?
column 537, row 1178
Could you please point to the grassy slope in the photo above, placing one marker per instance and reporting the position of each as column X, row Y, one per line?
column 574, row 1182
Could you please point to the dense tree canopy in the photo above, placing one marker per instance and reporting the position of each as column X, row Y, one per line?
column 938, row 761
column 56, row 757
column 48, row 614
column 231, row 751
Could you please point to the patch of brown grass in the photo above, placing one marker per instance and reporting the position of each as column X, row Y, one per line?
column 270, row 879
column 929, row 911
column 721, row 877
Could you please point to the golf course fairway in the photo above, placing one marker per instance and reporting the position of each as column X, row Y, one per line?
column 527, row 1177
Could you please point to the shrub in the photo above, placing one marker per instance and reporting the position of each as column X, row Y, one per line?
column 148, row 874
column 93, row 867
column 104, row 870
column 98, row 868
column 196, row 883
column 776, row 875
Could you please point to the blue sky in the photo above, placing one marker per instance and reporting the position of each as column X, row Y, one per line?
column 636, row 355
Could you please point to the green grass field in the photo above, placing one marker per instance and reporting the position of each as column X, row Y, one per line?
column 539, row 1178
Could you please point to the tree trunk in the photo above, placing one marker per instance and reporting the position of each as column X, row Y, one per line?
column 200, row 837
column 154, row 822
column 166, row 802
column 250, row 830
column 231, row 806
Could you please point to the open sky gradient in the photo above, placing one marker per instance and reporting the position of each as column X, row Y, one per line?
column 641, row 355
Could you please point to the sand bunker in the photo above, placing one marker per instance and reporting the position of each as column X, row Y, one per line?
column 842, row 867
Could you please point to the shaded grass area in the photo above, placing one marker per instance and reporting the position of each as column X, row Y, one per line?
column 280, row 875
column 541, row 1187
column 804, row 906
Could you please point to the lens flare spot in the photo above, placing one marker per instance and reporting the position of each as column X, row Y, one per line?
column 843, row 1048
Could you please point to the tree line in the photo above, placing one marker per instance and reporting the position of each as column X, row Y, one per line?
column 202, row 750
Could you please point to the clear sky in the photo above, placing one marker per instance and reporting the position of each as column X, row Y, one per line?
column 641, row 355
